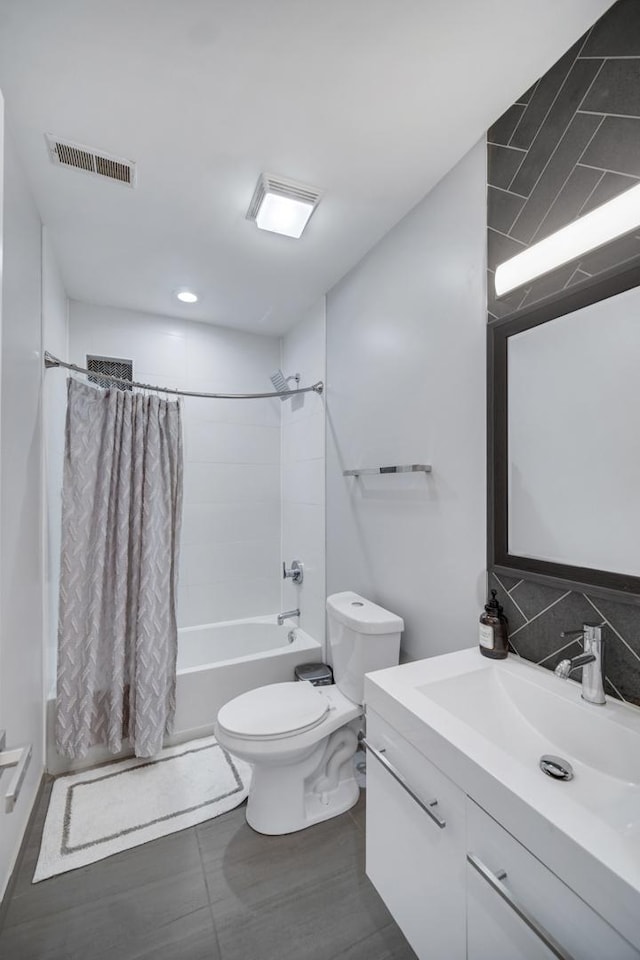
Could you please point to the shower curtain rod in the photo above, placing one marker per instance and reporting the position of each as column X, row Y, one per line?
column 51, row 361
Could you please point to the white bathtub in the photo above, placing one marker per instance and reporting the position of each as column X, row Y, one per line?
column 216, row 662
column 219, row 661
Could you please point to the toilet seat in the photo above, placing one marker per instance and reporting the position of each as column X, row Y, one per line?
column 274, row 712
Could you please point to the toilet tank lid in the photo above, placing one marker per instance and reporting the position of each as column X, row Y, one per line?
column 362, row 615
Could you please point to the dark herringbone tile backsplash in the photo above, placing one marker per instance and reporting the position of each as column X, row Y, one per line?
column 537, row 616
column 567, row 145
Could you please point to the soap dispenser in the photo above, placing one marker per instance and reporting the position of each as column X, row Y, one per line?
column 494, row 641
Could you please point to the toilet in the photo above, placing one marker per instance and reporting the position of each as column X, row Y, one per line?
column 300, row 739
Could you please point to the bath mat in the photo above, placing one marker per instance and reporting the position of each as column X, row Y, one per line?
column 96, row 813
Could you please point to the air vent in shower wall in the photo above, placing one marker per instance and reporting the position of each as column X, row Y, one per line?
column 97, row 162
column 109, row 367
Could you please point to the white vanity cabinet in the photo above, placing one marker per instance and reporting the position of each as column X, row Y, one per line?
column 518, row 908
column 456, row 882
column 415, row 848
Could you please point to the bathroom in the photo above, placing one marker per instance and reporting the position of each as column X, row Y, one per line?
column 386, row 300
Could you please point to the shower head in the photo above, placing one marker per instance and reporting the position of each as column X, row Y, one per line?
column 281, row 383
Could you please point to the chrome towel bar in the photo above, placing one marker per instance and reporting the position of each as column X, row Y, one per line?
column 18, row 758
column 374, row 471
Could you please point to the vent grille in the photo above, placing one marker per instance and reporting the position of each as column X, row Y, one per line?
column 97, row 162
column 285, row 188
column 110, row 367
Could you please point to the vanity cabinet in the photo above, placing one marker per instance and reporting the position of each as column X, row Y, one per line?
column 516, row 907
column 460, row 886
column 415, row 848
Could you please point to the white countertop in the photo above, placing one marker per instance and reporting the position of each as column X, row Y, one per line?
column 485, row 723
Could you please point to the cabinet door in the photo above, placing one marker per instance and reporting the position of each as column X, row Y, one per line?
column 517, row 909
column 417, row 867
column 494, row 930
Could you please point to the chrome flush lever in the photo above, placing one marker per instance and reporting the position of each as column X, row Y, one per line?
column 295, row 572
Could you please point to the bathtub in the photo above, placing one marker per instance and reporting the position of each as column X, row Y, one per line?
column 216, row 662
column 219, row 661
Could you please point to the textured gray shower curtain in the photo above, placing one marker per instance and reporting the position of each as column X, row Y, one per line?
column 121, row 512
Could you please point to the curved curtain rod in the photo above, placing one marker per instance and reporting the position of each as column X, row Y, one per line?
column 51, row 361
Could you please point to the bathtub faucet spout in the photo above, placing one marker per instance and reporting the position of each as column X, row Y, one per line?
column 285, row 616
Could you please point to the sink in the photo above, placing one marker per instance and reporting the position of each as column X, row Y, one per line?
column 486, row 723
column 528, row 712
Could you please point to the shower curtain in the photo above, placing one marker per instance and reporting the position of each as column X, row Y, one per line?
column 121, row 512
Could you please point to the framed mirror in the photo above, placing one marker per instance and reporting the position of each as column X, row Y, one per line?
column 564, row 438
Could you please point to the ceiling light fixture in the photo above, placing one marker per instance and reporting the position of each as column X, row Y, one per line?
column 607, row 222
column 186, row 296
column 282, row 206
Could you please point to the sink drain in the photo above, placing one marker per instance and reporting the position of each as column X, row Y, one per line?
column 556, row 767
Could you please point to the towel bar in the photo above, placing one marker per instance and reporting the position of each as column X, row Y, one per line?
column 371, row 471
column 18, row 758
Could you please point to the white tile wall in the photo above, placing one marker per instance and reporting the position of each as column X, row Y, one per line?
column 230, row 548
column 303, row 471
column 254, row 470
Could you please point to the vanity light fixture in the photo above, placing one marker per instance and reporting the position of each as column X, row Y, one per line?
column 607, row 222
column 282, row 206
column 187, row 296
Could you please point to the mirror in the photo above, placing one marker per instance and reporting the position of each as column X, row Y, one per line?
column 566, row 437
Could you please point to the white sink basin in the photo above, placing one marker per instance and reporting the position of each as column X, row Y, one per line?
column 500, row 717
column 530, row 712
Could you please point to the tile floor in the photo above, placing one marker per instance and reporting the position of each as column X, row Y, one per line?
column 217, row 891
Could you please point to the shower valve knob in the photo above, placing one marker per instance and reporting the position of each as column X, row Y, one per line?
column 295, row 572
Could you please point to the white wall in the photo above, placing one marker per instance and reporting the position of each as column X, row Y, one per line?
column 406, row 384
column 21, row 584
column 303, row 471
column 55, row 339
column 230, row 553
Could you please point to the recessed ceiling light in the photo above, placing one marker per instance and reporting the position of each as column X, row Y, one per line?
column 186, row 296
column 600, row 226
column 282, row 206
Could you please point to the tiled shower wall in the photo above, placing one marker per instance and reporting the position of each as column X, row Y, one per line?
column 567, row 145
column 230, row 544
column 303, row 481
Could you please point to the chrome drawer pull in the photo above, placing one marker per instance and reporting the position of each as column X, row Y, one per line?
column 427, row 807
column 496, row 882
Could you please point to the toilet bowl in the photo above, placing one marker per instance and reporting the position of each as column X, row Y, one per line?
column 300, row 739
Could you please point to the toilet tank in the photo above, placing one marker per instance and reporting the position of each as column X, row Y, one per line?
column 362, row 637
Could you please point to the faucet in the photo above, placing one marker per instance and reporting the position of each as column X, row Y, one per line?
column 285, row 616
column 592, row 661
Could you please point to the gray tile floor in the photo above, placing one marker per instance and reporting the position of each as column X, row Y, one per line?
column 217, row 891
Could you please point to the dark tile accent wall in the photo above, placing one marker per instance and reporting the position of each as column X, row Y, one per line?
column 538, row 614
column 567, row 145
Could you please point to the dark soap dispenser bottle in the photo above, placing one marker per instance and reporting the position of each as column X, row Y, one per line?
column 494, row 642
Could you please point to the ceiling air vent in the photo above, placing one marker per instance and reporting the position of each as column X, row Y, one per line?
column 283, row 188
column 68, row 154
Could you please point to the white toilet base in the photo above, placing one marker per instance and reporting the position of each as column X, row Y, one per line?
column 290, row 796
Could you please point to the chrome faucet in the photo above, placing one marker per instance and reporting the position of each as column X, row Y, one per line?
column 285, row 616
column 592, row 662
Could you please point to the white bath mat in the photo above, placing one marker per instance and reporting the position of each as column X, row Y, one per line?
column 99, row 812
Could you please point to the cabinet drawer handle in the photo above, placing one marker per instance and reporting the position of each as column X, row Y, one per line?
column 427, row 807
column 496, row 882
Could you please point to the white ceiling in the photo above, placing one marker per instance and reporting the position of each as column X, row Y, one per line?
column 370, row 100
